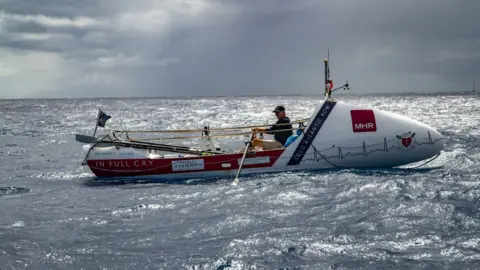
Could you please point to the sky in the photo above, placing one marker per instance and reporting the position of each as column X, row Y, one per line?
column 175, row 48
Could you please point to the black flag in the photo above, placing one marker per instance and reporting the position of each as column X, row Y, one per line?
column 102, row 119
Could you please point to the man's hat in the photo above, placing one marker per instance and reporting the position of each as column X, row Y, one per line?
column 279, row 109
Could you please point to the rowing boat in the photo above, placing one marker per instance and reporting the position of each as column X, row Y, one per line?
column 337, row 135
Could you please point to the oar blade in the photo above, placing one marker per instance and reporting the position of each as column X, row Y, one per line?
column 85, row 139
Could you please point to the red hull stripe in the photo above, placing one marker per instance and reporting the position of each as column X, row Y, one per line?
column 139, row 167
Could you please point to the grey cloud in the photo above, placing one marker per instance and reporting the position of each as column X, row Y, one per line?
column 24, row 27
column 53, row 7
column 262, row 47
column 27, row 45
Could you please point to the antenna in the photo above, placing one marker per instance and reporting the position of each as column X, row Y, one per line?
column 328, row 57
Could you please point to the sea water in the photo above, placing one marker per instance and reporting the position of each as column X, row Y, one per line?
column 54, row 214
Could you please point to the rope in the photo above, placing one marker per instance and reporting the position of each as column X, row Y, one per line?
column 91, row 148
column 323, row 157
column 432, row 159
column 201, row 130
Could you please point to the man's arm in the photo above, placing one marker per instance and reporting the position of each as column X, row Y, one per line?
column 271, row 129
column 265, row 130
column 279, row 125
column 260, row 129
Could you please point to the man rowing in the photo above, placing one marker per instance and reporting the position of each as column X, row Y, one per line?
column 281, row 131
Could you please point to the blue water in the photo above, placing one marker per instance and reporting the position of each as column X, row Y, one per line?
column 55, row 215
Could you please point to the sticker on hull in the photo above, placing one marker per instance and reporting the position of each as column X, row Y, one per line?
column 406, row 139
column 257, row 160
column 123, row 164
column 311, row 133
column 188, row 165
column 363, row 121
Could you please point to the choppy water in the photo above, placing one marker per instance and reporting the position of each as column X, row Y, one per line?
column 54, row 214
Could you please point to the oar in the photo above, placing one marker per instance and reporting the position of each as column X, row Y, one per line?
column 235, row 182
column 85, row 138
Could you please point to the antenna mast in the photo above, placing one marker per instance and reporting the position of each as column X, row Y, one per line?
column 328, row 58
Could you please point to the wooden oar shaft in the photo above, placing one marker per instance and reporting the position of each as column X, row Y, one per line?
column 196, row 137
column 201, row 130
column 235, row 181
column 163, row 147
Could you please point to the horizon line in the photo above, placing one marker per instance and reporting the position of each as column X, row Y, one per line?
column 240, row 96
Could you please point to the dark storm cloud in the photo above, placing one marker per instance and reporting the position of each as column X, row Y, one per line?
column 379, row 42
column 252, row 47
column 24, row 27
column 56, row 8
column 28, row 45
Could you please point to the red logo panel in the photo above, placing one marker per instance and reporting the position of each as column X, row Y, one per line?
column 363, row 121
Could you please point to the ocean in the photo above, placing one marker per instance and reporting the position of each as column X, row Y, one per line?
column 54, row 214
